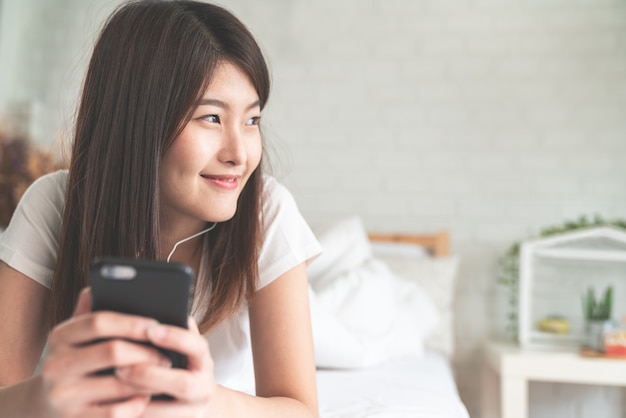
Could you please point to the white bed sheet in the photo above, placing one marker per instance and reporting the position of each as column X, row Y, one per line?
column 421, row 387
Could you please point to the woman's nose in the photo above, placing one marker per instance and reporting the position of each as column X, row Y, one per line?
column 233, row 149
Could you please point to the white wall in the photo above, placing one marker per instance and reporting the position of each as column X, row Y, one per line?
column 489, row 118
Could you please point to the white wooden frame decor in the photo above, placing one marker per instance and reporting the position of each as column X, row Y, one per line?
column 602, row 248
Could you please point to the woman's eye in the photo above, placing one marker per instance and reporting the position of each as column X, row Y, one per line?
column 211, row 118
column 254, row 120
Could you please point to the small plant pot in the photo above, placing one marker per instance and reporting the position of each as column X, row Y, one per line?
column 594, row 332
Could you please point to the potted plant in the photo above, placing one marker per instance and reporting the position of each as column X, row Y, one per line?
column 597, row 315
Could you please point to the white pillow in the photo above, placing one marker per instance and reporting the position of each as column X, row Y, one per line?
column 437, row 277
column 363, row 299
column 344, row 246
column 367, row 316
column 336, row 346
column 363, row 313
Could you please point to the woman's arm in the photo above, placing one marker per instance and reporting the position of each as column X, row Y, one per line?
column 282, row 343
column 23, row 331
column 23, row 324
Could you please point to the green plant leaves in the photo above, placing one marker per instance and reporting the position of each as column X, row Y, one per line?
column 598, row 310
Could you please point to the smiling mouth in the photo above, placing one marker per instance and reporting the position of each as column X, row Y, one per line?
column 224, row 182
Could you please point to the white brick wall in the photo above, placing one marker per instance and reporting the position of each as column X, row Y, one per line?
column 491, row 118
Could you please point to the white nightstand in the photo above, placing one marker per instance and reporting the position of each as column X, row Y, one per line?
column 507, row 369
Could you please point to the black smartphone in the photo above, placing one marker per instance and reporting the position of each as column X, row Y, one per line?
column 150, row 288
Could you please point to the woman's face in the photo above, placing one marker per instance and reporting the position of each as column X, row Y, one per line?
column 204, row 171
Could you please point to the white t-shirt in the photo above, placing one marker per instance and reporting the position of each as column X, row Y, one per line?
column 31, row 241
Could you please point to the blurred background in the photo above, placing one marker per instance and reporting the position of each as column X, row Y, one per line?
column 488, row 118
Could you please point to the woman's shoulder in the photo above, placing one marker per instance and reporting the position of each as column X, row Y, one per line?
column 51, row 185
column 279, row 204
column 287, row 238
column 272, row 186
column 30, row 242
column 275, row 194
column 47, row 193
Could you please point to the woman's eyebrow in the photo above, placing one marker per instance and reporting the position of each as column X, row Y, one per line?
column 224, row 105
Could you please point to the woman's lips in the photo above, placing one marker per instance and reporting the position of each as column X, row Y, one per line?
column 224, row 182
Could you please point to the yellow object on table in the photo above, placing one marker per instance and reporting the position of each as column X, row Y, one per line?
column 554, row 325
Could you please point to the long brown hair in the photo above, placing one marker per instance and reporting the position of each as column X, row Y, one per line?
column 150, row 66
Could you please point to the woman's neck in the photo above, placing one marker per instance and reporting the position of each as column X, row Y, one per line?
column 185, row 252
column 181, row 243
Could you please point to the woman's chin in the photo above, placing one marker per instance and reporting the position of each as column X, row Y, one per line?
column 223, row 216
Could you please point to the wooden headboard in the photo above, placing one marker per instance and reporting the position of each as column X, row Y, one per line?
column 437, row 243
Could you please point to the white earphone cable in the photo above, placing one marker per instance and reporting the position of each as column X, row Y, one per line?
column 188, row 238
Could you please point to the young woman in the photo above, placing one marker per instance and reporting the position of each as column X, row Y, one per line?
column 166, row 164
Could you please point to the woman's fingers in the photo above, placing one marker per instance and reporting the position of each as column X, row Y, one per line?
column 187, row 342
column 98, row 325
column 72, row 385
column 192, row 325
column 179, row 383
column 192, row 385
column 129, row 408
column 83, row 305
column 97, row 390
column 92, row 341
column 102, row 355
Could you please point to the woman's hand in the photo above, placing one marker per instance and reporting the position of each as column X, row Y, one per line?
column 194, row 389
column 71, row 385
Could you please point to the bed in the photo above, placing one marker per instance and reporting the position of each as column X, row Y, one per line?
column 381, row 308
